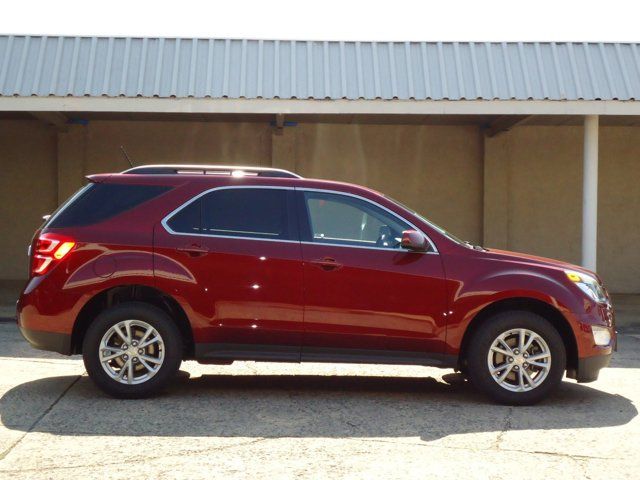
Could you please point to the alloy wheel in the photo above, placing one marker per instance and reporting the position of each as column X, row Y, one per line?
column 519, row 360
column 131, row 352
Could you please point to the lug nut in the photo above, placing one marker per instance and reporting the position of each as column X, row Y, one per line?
column 135, row 359
column 516, row 352
column 525, row 355
column 140, row 351
column 516, row 367
column 134, row 343
column 525, row 365
column 510, row 359
column 125, row 357
column 124, row 346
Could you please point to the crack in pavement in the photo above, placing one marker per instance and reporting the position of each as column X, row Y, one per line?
column 584, row 466
column 107, row 464
column 7, row 451
column 493, row 449
column 580, row 459
column 506, row 427
column 573, row 456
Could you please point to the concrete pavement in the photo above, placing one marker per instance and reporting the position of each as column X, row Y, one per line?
column 313, row 420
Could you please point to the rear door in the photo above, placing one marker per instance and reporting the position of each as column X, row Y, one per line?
column 233, row 256
column 366, row 298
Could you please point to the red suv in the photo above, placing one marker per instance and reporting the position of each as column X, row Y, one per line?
column 158, row 264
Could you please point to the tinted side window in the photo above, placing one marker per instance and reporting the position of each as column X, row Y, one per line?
column 247, row 212
column 187, row 220
column 345, row 220
column 101, row 201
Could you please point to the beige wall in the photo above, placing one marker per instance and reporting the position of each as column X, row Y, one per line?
column 538, row 187
column 41, row 167
column 520, row 190
column 95, row 148
column 436, row 170
column 619, row 208
column 533, row 197
column 27, row 189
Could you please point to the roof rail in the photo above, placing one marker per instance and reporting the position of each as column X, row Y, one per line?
column 234, row 171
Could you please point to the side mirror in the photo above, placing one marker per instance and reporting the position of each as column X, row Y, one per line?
column 413, row 240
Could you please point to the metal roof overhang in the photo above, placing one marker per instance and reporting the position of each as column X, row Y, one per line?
column 289, row 106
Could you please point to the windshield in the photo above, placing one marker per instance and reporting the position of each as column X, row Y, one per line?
column 447, row 234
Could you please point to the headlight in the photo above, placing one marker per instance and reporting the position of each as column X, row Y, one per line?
column 588, row 285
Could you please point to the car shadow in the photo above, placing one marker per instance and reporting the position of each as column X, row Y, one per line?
column 275, row 406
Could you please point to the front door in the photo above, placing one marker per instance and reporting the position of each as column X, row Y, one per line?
column 234, row 258
column 366, row 298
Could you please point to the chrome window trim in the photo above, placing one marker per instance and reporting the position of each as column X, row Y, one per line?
column 432, row 251
column 169, row 230
column 385, row 249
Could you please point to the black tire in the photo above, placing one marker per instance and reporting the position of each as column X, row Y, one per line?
column 480, row 345
column 153, row 316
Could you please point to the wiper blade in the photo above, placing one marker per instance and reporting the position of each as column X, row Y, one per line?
column 475, row 247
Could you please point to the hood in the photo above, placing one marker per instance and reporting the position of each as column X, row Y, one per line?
column 525, row 258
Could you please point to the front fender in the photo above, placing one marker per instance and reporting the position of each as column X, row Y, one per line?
column 469, row 295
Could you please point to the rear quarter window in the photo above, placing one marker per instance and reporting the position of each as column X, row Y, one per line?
column 101, row 201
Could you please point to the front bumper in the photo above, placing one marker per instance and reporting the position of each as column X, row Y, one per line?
column 592, row 358
column 51, row 341
column 589, row 368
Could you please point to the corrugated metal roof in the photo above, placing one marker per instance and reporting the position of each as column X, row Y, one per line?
column 224, row 68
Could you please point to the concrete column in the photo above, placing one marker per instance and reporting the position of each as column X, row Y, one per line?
column 283, row 149
column 590, row 193
column 496, row 191
column 71, row 160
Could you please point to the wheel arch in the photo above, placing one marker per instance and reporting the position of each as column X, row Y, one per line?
column 125, row 293
column 545, row 310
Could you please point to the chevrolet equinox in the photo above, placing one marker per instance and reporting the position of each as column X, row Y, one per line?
column 143, row 269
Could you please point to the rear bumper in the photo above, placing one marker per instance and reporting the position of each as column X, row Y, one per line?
column 44, row 321
column 51, row 341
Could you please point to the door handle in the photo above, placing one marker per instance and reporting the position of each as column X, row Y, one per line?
column 194, row 250
column 327, row 263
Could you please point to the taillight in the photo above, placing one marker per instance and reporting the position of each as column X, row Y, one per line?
column 49, row 249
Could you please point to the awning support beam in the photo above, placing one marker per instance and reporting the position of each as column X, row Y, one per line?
column 504, row 123
column 55, row 119
column 285, row 106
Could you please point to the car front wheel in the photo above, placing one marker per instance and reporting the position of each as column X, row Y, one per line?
column 516, row 358
column 132, row 350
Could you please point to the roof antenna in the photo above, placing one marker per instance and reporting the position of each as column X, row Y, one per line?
column 125, row 155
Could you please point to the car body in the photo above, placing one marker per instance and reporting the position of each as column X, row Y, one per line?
column 241, row 262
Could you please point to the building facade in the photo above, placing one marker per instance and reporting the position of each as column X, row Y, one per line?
column 532, row 147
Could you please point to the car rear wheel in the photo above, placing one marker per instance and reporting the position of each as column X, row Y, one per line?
column 516, row 358
column 132, row 350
